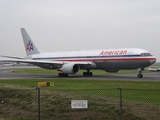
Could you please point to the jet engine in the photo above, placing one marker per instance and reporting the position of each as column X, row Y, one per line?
column 70, row 68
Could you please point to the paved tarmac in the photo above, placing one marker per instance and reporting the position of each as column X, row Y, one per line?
column 152, row 76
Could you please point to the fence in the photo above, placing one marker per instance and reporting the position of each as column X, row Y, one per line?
column 102, row 104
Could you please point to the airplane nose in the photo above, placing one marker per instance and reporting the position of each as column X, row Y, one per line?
column 153, row 60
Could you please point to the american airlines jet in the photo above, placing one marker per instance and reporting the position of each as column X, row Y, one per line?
column 70, row 62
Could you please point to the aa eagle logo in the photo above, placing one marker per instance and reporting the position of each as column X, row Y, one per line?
column 29, row 46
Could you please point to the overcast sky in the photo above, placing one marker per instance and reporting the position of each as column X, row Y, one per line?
column 58, row 25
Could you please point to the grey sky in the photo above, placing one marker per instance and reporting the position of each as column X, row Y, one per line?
column 57, row 25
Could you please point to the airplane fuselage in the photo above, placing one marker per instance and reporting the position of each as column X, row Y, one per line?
column 105, row 59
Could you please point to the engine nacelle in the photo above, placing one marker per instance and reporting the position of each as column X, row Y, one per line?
column 70, row 68
column 112, row 71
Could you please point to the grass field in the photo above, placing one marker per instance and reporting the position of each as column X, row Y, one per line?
column 131, row 89
column 139, row 97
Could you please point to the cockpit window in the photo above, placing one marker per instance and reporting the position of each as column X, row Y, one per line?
column 146, row 54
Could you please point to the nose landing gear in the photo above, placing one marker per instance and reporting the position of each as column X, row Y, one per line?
column 140, row 75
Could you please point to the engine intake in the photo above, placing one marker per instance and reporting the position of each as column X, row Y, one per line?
column 70, row 68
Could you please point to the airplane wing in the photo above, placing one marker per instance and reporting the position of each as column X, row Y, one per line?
column 54, row 64
column 34, row 62
column 10, row 57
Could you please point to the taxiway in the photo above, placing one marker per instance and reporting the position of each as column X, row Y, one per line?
column 152, row 76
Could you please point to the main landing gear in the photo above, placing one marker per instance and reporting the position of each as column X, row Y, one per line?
column 88, row 73
column 140, row 75
column 62, row 75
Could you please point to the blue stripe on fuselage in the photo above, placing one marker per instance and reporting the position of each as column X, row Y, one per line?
column 73, row 57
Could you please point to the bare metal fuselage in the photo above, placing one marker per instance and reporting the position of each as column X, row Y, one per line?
column 104, row 62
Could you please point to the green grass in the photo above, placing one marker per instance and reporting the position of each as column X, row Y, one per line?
column 139, row 91
column 103, row 95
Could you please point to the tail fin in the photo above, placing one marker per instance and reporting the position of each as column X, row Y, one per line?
column 28, row 43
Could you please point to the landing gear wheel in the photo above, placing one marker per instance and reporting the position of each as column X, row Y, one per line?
column 59, row 74
column 62, row 75
column 140, row 75
column 84, row 73
column 87, row 73
column 90, row 73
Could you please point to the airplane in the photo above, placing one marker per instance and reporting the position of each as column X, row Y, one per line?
column 154, row 69
column 70, row 62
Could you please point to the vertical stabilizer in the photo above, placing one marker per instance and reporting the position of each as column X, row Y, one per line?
column 30, row 47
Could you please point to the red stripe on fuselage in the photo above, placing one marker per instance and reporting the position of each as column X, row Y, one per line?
column 104, row 59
